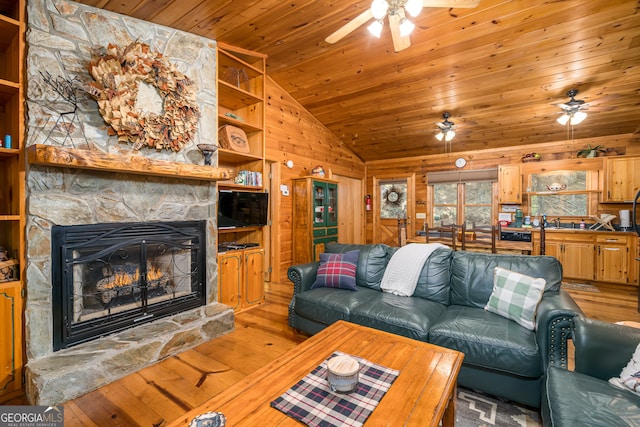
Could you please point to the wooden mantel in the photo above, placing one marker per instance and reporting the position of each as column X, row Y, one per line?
column 48, row 155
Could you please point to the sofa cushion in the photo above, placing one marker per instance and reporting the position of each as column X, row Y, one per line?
column 337, row 271
column 472, row 274
column 515, row 296
column 407, row 316
column 327, row 305
column 575, row 399
column 488, row 340
column 433, row 283
column 371, row 263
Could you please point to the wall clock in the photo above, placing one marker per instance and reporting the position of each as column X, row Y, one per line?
column 460, row 162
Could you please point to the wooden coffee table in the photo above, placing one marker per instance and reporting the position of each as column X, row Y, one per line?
column 423, row 394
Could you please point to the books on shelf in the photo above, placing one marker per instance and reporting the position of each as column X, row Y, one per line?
column 249, row 178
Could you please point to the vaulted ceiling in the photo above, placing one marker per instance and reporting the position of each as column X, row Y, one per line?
column 498, row 69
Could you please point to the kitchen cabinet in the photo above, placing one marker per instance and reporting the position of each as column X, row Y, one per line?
column 315, row 217
column 613, row 259
column 509, row 184
column 241, row 278
column 601, row 256
column 621, row 179
column 576, row 253
column 12, row 196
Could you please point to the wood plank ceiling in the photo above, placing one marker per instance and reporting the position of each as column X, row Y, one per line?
column 498, row 68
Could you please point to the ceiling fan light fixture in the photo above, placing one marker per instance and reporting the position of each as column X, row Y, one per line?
column 563, row 119
column 406, row 27
column 440, row 136
column 413, row 7
column 375, row 28
column 449, row 135
column 379, row 8
column 578, row 117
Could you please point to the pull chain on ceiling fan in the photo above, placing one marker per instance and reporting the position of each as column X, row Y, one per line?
column 395, row 10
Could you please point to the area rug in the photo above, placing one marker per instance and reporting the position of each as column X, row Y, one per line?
column 475, row 409
column 584, row 287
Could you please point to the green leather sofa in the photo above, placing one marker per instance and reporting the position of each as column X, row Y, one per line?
column 447, row 309
column 584, row 397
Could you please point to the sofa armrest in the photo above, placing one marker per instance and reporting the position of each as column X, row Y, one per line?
column 302, row 276
column 603, row 349
column 554, row 324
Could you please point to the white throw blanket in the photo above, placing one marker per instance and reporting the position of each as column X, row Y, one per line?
column 402, row 273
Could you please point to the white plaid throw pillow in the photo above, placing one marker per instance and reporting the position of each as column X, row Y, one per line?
column 516, row 296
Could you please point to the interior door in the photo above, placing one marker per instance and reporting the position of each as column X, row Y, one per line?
column 351, row 215
column 393, row 199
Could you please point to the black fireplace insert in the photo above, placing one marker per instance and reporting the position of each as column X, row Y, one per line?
column 113, row 276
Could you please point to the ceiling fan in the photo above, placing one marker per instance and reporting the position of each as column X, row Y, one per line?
column 396, row 11
column 572, row 111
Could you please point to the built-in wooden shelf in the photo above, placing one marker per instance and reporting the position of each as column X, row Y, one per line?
column 49, row 155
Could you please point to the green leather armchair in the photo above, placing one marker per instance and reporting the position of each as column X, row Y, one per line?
column 584, row 397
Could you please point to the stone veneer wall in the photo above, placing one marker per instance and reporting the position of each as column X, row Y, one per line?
column 60, row 38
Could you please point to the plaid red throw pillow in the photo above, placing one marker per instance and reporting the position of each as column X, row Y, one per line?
column 337, row 271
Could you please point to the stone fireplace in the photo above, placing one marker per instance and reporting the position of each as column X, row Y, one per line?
column 160, row 305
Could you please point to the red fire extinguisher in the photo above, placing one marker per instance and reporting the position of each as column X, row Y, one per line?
column 367, row 202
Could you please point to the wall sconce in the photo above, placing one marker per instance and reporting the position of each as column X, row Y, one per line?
column 288, row 163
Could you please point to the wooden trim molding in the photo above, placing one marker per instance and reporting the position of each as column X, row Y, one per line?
column 48, row 155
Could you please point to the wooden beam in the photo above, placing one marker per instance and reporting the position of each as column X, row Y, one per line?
column 48, row 155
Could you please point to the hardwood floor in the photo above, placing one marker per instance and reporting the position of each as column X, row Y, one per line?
column 159, row 394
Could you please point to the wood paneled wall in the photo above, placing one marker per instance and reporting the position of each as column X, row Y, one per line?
column 623, row 144
column 292, row 133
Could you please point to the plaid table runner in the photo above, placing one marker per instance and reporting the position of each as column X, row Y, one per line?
column 313, row 403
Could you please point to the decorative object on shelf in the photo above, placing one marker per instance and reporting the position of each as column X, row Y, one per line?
column 446, row 131
column 590, row 151
column 234, row 116
column 395, row 11
column 8, row 267
column 67, row 121
column 556, row 186
column 233, row 138
column 572, row 111
column 318, row 171
column 237, row 77
column 207, row 151
column 118, row 75
column 531, row 157
column 7, row 141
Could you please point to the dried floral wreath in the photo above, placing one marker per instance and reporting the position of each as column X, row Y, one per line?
column 117, row 74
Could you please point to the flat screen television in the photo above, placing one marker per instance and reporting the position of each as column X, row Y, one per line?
column 242, row 209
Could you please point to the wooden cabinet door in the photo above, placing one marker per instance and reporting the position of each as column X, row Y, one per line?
column 10, row 338
column 553, row 249
column 578, row 260
column 253, row 276
column 622, row 179
column 613, row 258
column 229, row 279
column 509, row 184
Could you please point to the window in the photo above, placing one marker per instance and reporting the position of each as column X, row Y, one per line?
column 455, row 203
column 560, row 193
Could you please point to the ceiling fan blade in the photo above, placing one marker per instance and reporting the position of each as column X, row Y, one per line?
column 349, row 26
column 399, row 42
column 451, row 3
